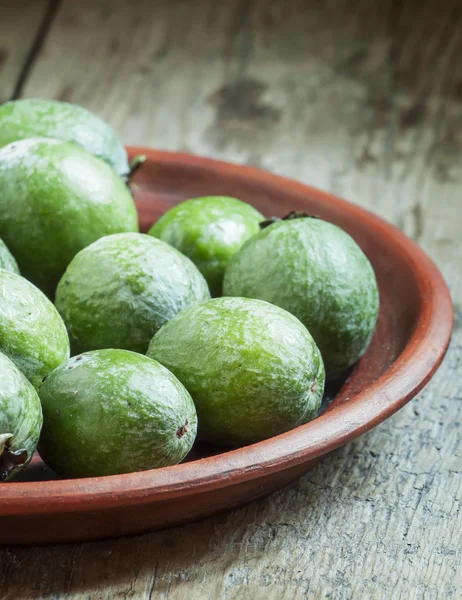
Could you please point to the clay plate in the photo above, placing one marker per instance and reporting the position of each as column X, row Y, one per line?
column 412, row 336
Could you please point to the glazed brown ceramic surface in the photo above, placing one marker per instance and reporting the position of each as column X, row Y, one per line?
column 412, row 336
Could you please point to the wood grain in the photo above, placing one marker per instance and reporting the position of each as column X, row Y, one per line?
column 358, row 97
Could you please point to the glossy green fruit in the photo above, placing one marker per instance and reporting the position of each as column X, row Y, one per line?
column 7, row 260
column 119, row 291
column 32, row 334
column 112, row 411
column 318, row 273
column 252, row 369
column 34, row 117
column 209, row 231
column 20, row 419
column 55, row 199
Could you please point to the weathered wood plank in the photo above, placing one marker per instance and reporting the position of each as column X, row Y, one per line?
column 19, row 25
column 354, row 96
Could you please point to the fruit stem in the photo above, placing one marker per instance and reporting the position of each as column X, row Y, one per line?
column 9, row 459
column 182, row 430
column 294, row 214
column 135, row 164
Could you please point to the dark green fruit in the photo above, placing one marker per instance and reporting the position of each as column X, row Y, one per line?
column 20, row 419
column 112, row 411
column 252, row 369
column 55, row 199
column 7, row 260
column 209, row 231
column 318, row 273
column 119, row 291
column 33, row 117
column 32, row 334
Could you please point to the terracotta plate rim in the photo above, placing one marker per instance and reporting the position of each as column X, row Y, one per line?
column 404, row 378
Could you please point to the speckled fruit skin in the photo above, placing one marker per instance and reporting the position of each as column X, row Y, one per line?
column 108, row 412
column 7, row 260
column 35, row 117
column 55, row 199
column 119, row 291
column 318, row 273
column 252, row 369
column 32, row 334
column 20, row 419
column 209, row 231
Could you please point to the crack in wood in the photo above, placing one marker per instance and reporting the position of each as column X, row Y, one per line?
column 37, row 45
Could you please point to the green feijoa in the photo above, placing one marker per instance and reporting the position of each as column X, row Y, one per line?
column 55, row 199
column 252, row 369
column 20, row 419
column 32, row 334
column 7, row 260
column 318, row 273
column 209, row 231
column 120, row 290
column 113, row 411
column 35, row 117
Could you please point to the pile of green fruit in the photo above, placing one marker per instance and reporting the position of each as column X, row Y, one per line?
column 113, row 354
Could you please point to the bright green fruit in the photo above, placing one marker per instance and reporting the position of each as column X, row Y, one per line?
column 119, row 291
column 7, row 260
column 318, row 273
column 112, row 411
column 55, row 199
column 21, row 119
column 209, row 231
column 32, row 334
column 252, row 369
column 20, row 419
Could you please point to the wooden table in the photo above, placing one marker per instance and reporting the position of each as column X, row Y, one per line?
column 356, row 96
